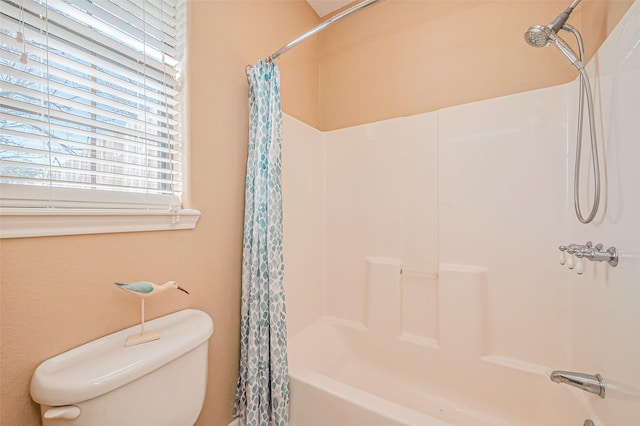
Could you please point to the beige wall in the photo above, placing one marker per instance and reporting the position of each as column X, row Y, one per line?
column 405, row 57
column 57, row 293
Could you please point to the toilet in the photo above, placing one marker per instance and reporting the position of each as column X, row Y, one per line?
column 104, row 383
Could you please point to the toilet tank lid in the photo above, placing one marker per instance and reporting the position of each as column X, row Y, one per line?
column 103, row 365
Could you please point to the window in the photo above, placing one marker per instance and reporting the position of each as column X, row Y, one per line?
column 91, row 112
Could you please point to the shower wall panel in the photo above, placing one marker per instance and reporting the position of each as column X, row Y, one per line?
column 605, row 321
column 381, row 195
column 503, row 206
column 303, row 212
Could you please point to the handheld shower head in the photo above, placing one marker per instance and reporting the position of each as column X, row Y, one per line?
column 537, row 36
column 541, row 35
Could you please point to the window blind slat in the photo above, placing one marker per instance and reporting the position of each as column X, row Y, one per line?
column 140, row 7
column 107, row 10
column 71, row 35
column 76, row 119
column 142, row 32
column 114, row 28
column 101, row 176
column 99, row 156
column 84, row 95
column 134, row 14
column 125, row 82
column 74, row 134
column 170, row 3
column 59, row 23
column 43, row 196
column 57, row 174
column 106, row 119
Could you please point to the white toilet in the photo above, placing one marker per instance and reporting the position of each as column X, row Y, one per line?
column 102, row 383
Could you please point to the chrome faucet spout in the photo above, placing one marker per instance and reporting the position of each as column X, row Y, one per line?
column 586, row 382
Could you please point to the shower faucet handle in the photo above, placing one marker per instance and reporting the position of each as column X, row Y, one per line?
column 587, row 251
column 577, row 248
column 582, row 251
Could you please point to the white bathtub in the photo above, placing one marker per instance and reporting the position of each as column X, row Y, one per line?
column 343, row 375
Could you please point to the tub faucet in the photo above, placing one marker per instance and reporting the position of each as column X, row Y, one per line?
column 586, row 382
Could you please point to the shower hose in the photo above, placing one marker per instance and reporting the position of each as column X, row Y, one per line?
column 585, row 89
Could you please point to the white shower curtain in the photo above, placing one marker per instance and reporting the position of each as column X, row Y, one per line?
column 263, row 381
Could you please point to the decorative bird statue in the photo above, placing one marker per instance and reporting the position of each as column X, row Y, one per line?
column 144, row 289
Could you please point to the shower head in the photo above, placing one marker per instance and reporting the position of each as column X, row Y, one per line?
column 537, row 36
column 541, row 35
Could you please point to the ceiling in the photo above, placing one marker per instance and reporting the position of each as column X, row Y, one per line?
column 325, row 7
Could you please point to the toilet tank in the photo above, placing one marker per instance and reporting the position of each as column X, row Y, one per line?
column 104, row 383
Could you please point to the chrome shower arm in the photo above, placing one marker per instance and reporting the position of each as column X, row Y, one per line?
column 574, row 4
column 557, row 24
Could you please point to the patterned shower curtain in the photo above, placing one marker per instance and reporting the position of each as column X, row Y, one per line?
column 263, row 381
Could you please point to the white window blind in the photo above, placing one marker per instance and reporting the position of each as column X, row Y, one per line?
column 91, row 103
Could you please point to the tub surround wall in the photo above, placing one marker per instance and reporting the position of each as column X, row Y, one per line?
column 605, row 317
column 447, row 224
column 303, row 211
column 378, row 206
column 414, row 192
column 503, row 205
column 436, row 226
column 419, row 307
column 463, row 310
column 382, row 300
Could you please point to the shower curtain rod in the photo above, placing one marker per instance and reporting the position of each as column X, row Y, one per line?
column 334, row 20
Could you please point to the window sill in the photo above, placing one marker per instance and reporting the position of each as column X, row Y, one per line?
column 20, row 223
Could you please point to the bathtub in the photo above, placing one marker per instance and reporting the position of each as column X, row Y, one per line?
column 341, row 374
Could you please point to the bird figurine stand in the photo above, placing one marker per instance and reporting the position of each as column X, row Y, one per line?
column 143, row 337
column 144, row 289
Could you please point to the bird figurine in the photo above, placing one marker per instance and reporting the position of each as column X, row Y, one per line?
column 144, row 289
